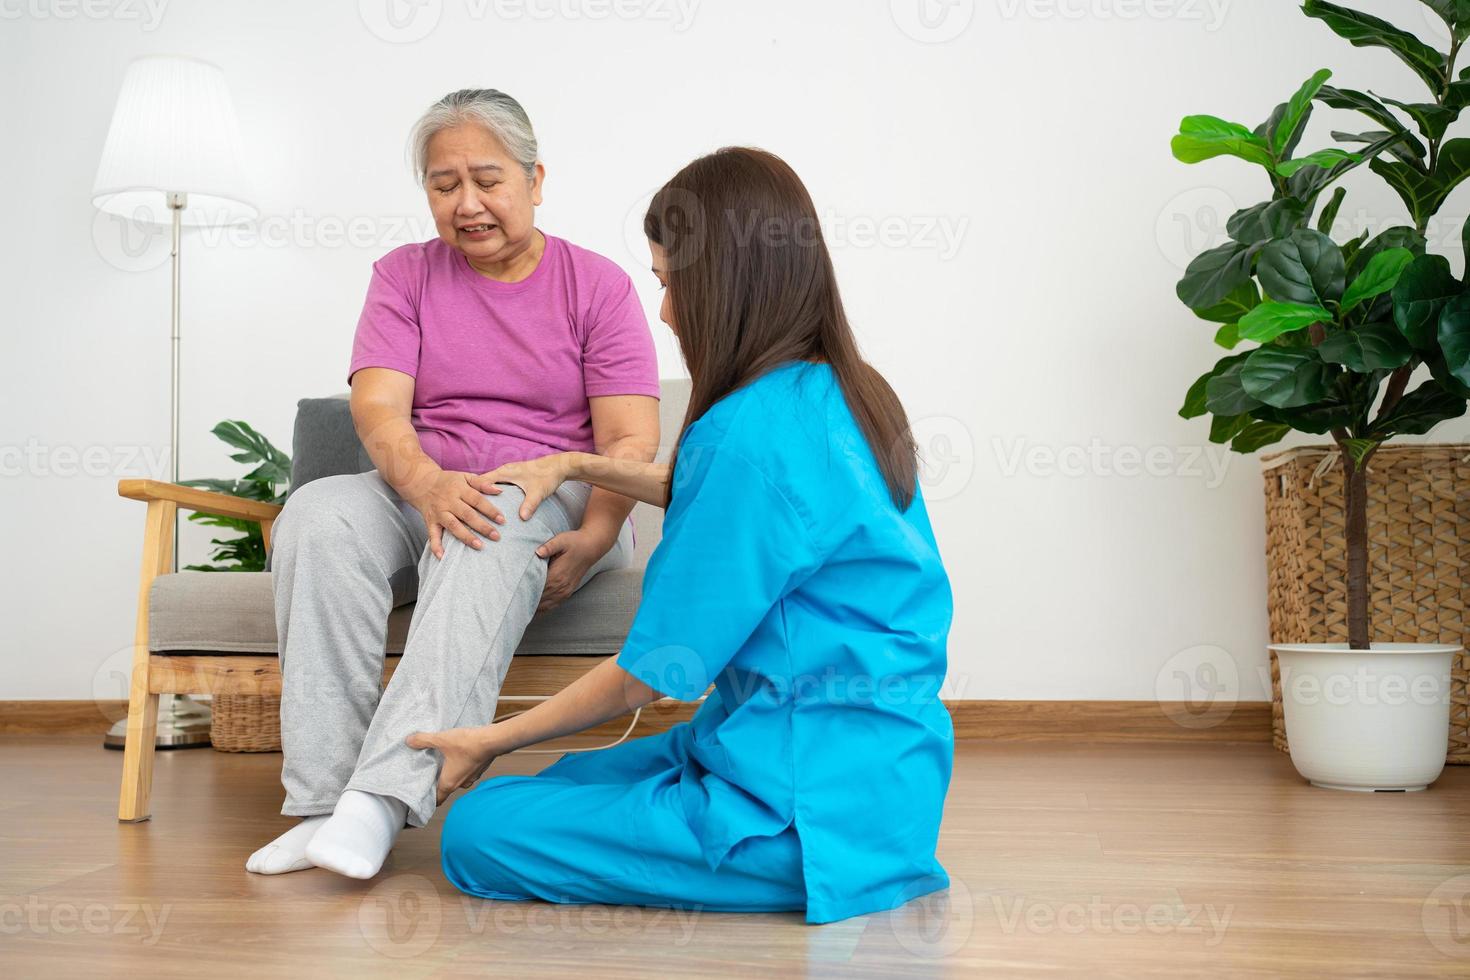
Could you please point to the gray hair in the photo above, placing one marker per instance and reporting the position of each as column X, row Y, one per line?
column 491, row 108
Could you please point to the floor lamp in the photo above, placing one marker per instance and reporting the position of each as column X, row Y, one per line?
column 172, row 157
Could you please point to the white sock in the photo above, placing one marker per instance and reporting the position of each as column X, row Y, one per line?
column 288, row 851
column 358, row 836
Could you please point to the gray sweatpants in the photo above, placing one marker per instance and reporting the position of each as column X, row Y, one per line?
column 345, row 551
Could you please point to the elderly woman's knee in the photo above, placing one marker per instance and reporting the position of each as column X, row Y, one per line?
column 322, row 506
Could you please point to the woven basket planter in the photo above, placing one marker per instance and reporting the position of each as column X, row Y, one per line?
column 245, row 723
column 1418, row 557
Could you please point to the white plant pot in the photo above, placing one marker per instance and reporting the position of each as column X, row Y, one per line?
column 1367, row 720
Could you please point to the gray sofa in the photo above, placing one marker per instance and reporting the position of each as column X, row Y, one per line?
column 213, row 613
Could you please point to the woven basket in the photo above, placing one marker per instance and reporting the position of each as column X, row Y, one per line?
column 1418, row 557
column 245, row 723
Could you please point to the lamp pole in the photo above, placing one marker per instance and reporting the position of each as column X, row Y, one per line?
column 177, row 201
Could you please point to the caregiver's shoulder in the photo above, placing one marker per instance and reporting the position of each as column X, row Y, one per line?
column 783, row 420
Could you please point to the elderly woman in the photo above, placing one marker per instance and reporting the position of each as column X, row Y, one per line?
column 492, row 343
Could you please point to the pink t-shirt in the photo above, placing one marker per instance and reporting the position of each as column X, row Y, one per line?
column 502, row 371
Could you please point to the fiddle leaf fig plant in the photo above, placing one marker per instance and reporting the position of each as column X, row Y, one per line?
column 247, row 553
column 1326, row 336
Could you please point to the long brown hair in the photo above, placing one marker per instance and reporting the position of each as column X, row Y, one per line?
column 752, row 287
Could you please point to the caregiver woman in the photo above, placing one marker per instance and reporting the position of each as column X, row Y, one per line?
column 493, row 342
column 797, row 572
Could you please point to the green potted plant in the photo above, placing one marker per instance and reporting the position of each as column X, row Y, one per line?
column 1325, row 338
column 267, row 482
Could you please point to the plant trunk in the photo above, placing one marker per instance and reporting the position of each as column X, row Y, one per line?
column 1355, row 478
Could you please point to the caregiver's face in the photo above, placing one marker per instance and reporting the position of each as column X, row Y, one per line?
column 482, row 201
column 661, row 271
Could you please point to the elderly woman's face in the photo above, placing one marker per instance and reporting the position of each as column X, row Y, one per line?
column 482, row 201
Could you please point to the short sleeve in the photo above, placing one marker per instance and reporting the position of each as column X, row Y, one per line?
column 733, row 547
column 618, row 356
column 388, row 329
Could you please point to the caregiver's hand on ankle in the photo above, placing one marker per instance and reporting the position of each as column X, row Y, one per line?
column 538, row 478
column 467, row 753
column 455, row 502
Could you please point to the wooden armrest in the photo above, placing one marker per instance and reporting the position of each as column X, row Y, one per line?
column 205, row 501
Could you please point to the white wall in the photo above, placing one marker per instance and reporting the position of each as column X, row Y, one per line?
column 1022, row 300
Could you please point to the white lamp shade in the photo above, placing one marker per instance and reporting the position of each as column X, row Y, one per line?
column 174, row 129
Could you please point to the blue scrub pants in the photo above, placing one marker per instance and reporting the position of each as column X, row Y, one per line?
column 608, row 827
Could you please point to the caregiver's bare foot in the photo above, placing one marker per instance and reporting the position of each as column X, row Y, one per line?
column 467, row 754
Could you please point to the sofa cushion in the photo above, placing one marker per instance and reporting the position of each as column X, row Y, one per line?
column 324, row 441
column 234, row 612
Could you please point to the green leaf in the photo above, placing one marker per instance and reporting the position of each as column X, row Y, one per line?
column 1329, row 213
column 1465, row 240
column 1371, row 347
column 1419, row 411
column 1223, row 392
column 1454, row 337
column 1423, row 193
column 1223, row 428
column 1346, row 98
column 1434, row 360
column 1307, row 267
column 1431, row 118
column 1241, row 301
column 1398, row 236
column 1359, row 449
column 1228, row 336
column 1379, row 277
column 1266, row 221
column 1351, row 249
column 1317, row 419
column 1258, row 435
column 1419, row 296
column 1365, row 30
column 1274, row 120
column 1270, row 320
column 1285, row 378
column 1214, row 274
column 1309, row 181
column 1408, row 150
column 1203, row 137
column 1194, row 401
column 1322, row 158
column 1289, row 126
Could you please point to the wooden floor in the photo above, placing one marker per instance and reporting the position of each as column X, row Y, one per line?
column 1106, row 860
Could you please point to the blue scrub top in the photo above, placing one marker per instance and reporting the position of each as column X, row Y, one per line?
column 788, row 578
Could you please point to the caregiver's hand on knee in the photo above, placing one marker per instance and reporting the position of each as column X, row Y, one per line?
column 571, row 554
column 537, row 478
column 455, row 502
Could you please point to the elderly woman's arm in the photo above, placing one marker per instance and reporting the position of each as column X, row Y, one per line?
column 623, row 427
column 382, row 403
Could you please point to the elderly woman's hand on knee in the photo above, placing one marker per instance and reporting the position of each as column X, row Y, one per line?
column 455, row 502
